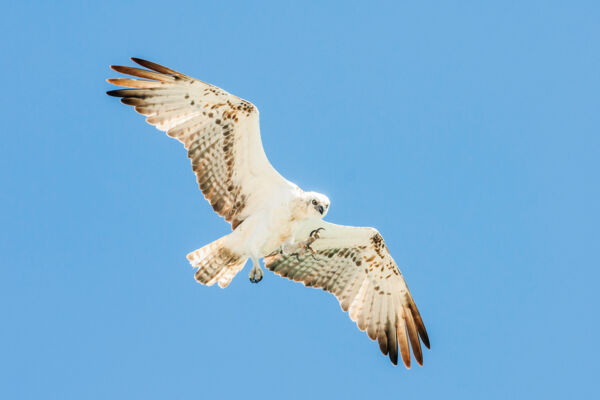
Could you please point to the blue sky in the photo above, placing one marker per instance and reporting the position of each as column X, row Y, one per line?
column 466, row 132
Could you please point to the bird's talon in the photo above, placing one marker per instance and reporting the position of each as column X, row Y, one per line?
column 256, row 275
column 315, row 233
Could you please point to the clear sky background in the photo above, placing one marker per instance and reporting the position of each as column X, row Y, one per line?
column 466, row 132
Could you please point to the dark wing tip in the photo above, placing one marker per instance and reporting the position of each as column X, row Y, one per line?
column 393, row 354
column 114, row 93
column 145, row 63
column 425, row 339
column 418, row 320
column 132, row 101
column 392, row 341
column 422, row 330
column 158, row 68
column 383, row 345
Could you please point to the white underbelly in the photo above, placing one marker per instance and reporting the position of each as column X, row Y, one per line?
column 268, row 229
column 275, row 242
column 262, row 234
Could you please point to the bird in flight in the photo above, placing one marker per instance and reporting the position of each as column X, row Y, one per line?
column 271, row 217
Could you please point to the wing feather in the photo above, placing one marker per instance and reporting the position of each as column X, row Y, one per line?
column 413, row 336
column 219, row 130
column 392, row 339
column 134, row 83
column 142, row 73
column 355, row 265
column 403, row 339
column 159, row 68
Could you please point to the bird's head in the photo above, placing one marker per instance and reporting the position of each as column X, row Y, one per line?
column 317, row 203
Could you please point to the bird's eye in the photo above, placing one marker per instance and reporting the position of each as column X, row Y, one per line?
column 314, row 202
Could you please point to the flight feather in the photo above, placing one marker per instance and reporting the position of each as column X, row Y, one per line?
column 219, row 130
column 354, row 264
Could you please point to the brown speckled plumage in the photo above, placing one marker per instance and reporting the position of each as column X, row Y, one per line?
column 204, row 118
column 222, row 137
column 366, row 281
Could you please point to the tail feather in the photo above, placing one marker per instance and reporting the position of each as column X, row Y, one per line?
column 216, row 263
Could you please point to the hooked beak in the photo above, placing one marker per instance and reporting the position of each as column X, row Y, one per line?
column 320, row 209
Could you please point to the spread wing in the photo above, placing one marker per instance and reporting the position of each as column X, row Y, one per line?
column 355, row 265
column 219, row 130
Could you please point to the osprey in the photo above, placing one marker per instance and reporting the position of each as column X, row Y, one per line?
column 271, row 217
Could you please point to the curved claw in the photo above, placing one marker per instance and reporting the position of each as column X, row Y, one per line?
column 256, row 275
column 315, row 233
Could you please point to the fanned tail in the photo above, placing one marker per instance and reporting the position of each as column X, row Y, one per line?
column 216, row 263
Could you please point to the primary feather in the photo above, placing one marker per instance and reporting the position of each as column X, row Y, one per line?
column 354, row 264
column 219, row 130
